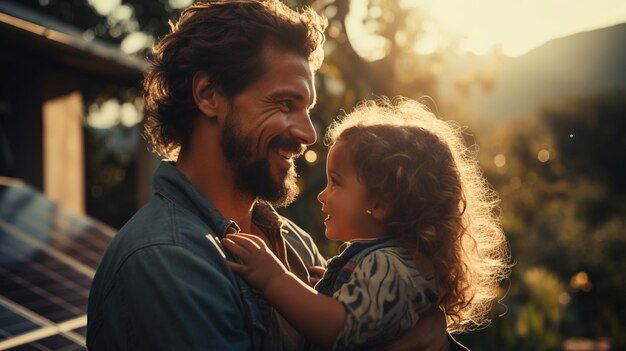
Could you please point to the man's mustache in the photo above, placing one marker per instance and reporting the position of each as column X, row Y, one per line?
column 287, row 143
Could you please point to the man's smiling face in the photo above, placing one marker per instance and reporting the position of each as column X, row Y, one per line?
column 268, row 126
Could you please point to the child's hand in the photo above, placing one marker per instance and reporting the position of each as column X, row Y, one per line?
column 258, row 264
column 315, row 274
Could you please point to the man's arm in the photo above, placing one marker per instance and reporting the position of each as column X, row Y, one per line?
column 429, row 334
column 174, row 299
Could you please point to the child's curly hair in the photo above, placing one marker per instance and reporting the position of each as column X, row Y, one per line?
column 438, row 200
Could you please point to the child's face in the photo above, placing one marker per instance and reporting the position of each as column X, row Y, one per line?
column 345, row 199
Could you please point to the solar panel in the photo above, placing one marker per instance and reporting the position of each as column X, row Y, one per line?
column 48, row 257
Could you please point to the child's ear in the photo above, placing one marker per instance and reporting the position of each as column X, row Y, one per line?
column 209, row 100
column 380, row 210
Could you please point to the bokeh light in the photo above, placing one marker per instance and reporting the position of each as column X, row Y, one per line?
column 499, row 160
column 543, row 155
column 310, row 156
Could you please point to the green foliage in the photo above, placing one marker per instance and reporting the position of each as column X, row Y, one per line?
column 118, row 21
column 565, row 215
column 111, row 173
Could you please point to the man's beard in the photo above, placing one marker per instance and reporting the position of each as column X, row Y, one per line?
column 256, row 178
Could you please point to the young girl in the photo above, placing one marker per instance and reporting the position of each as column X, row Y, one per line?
column 420, row 225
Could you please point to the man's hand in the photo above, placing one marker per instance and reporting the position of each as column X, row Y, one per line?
column 259, row 266
column 429, row 334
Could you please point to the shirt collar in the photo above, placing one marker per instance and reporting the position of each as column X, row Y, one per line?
column 172, row 184
column 169, row 182
column 266, row 217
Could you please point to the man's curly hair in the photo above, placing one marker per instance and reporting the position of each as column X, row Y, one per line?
column 225, row 39
column 440, row 205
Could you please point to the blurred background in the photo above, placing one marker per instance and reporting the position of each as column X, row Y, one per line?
column 540, row 85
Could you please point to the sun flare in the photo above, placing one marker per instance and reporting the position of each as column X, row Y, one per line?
column 479, row 26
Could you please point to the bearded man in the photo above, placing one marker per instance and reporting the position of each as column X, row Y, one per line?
column 228, row 95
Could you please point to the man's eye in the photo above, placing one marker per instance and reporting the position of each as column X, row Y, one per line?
column 286, row 103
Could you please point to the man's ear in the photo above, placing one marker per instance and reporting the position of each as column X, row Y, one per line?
column 208, row 99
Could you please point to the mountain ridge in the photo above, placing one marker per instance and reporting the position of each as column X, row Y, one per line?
column 578, row 64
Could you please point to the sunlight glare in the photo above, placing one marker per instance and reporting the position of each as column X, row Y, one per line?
column 369, row 46
column 179, row 4
column 121, row 13
column 518, row 26
column 109, row 113
column 136, row 41
column 105, row 115
column 104, row 7
column 129, row 114
column 334, row 86
column 431, row 41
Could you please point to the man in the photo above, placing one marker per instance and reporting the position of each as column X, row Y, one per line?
column 228, row 98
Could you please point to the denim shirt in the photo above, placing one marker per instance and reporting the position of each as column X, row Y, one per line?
column 164, row 284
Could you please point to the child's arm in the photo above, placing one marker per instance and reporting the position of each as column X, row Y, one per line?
column 318, row 317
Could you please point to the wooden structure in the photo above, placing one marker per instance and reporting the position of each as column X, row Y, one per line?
column 44, row 69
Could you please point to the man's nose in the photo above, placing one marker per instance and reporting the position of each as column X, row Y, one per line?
column 302, row 128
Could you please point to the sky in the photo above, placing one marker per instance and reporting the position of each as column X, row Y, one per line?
column 517, row 25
